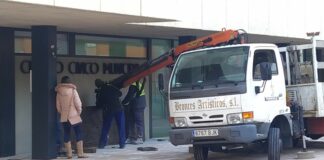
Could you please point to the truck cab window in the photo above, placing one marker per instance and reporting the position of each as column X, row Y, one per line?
column 210, row 68
column 263, row 56
column 190, row 73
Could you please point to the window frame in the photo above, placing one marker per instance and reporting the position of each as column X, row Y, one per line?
column 30, row 33
column 71, row 40
column 145, row 40
column 270, row 52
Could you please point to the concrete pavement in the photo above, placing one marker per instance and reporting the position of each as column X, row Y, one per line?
column 166, row 151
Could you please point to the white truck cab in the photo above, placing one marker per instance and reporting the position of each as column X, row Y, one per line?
column 222, row 96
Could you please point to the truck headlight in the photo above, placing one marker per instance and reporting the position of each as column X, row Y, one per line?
column 234, row 118
column 180, row 122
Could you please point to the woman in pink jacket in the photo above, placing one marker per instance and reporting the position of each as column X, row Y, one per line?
column 69, row 105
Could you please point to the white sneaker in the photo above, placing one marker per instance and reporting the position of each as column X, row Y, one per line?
column 130, row 141
column 139, row 141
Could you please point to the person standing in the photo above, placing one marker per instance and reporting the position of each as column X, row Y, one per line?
column 69, row 105
column 136, row 101
column 108, row 99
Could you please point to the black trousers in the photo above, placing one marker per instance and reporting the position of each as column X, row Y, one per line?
column 67, row 131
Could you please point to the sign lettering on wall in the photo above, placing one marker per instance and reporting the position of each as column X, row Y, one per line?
column 85, row 67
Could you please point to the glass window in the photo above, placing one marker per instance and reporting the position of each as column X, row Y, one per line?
column 301, row 66
column 62, row 44
column 23, row 42
column 160, row 125
column 112, row 47
column 306, row 65
column 263, row 56
column 159, row 47
column 320, row 73
column 319, row 54
column 175, row 43
column 210, row 67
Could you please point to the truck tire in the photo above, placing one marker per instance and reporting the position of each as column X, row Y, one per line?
column 274, row 144
column 200, row 152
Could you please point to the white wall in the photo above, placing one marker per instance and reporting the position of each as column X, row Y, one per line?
column 287, row 18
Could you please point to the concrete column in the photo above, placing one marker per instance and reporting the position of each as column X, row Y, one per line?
column 43, row 93
column 7, row 92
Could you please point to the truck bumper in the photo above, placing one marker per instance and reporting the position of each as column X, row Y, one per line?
column 226, row 134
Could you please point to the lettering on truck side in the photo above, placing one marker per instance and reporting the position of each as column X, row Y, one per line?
column 206, row 104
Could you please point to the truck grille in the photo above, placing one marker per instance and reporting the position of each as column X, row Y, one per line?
column 207, row 119
column 215, row 121
column 195, row 117
column 216, row 116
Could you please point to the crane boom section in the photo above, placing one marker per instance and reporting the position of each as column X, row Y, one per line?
column 168, row 58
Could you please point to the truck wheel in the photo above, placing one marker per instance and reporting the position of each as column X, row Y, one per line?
column 274, row 144
column 200, row 152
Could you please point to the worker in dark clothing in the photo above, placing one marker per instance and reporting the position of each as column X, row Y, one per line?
column 130, row 124
column 135, row 99
column 108, row 99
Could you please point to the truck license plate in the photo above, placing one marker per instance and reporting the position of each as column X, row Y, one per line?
column 205, row 133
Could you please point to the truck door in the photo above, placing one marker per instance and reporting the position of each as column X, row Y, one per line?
column 270, row 101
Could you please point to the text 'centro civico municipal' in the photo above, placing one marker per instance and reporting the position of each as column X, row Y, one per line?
column 85, row 67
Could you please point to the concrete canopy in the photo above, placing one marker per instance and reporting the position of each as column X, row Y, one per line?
column 24, row 15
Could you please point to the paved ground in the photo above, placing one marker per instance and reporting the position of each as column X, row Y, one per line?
column 167, row 151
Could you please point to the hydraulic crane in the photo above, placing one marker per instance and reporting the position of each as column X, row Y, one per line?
column 225, row 37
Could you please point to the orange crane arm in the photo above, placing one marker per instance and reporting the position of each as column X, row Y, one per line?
column 168, row 58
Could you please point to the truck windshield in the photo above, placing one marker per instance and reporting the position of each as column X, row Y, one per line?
column 211, row 67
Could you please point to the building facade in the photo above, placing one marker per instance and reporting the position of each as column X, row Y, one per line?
column 42, row 40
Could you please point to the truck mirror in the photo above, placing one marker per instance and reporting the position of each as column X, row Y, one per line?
column 161, row 82
column 265, row 69
column 257, row 89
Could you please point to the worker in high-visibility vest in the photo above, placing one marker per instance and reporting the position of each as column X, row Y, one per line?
column 135, row 103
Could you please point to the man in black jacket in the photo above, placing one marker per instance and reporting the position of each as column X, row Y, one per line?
column 108, row 99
